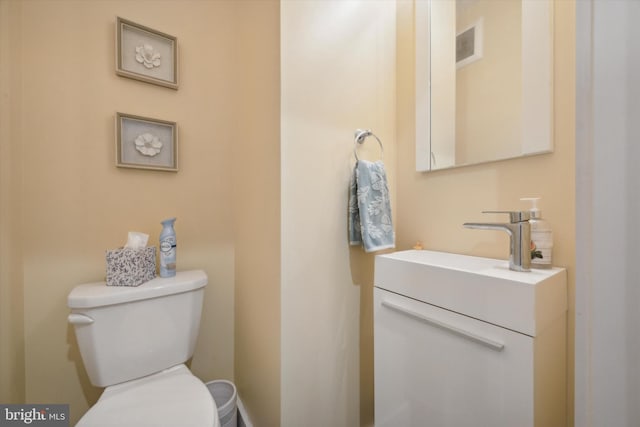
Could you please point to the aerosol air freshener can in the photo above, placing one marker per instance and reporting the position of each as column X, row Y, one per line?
column 168, row 249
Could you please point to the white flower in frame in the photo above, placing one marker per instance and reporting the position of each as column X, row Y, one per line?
column 147, row 57
column 148, row 144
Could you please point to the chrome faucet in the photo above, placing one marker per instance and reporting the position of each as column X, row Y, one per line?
column 519, row 230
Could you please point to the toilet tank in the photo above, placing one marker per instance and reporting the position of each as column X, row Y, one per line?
column 126, row 333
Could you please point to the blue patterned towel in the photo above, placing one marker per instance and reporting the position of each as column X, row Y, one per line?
column 370, row 208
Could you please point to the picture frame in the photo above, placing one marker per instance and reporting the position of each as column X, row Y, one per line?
column 469, row 43
column 145, row 54
column 146, row 143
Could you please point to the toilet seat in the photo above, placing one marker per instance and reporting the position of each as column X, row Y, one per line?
column 174, row 397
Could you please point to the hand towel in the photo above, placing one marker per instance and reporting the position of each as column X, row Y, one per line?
column 370, row 208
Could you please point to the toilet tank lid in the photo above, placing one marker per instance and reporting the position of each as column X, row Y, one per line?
column 98, row 294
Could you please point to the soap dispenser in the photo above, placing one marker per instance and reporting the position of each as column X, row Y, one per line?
column 541, row 236
column 168, row 249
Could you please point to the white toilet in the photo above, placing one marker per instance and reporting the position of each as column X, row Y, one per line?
column 134, row 341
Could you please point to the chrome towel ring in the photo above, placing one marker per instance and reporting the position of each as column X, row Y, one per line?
column 361, row 136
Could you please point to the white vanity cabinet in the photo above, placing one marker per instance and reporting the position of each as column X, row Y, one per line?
column 463, row 341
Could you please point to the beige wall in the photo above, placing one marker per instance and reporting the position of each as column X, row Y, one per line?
column 73, row 203
column 338, row 74
column 11, row 291
column 433, row 206
column 256, row 183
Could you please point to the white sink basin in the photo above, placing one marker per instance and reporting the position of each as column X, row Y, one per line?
column 482, row 288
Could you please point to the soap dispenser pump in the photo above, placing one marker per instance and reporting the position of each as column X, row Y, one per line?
column 168, row 249
column 541, row 236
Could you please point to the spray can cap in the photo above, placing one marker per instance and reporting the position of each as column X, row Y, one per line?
column 168, row 222
column 534, row 211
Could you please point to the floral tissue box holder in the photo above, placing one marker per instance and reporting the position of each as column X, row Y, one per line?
column 130, row 267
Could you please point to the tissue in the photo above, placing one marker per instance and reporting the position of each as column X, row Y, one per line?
column 132, row 265
column 136, row 240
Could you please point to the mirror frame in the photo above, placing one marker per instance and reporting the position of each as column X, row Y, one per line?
column 537, row 83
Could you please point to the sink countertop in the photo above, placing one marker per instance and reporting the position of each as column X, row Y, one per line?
column 482, row 288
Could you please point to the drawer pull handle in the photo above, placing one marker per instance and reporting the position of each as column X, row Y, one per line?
column 494, row 345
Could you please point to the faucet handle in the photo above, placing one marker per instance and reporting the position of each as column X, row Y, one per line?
column 514, row 216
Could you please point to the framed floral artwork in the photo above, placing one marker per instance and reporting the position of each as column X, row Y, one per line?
column 145, row 143
column 145, row 54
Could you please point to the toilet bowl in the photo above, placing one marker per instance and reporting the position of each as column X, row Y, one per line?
column 174, row 397
column 134, row 341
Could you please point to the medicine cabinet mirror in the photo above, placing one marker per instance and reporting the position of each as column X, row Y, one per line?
column 483, row 81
